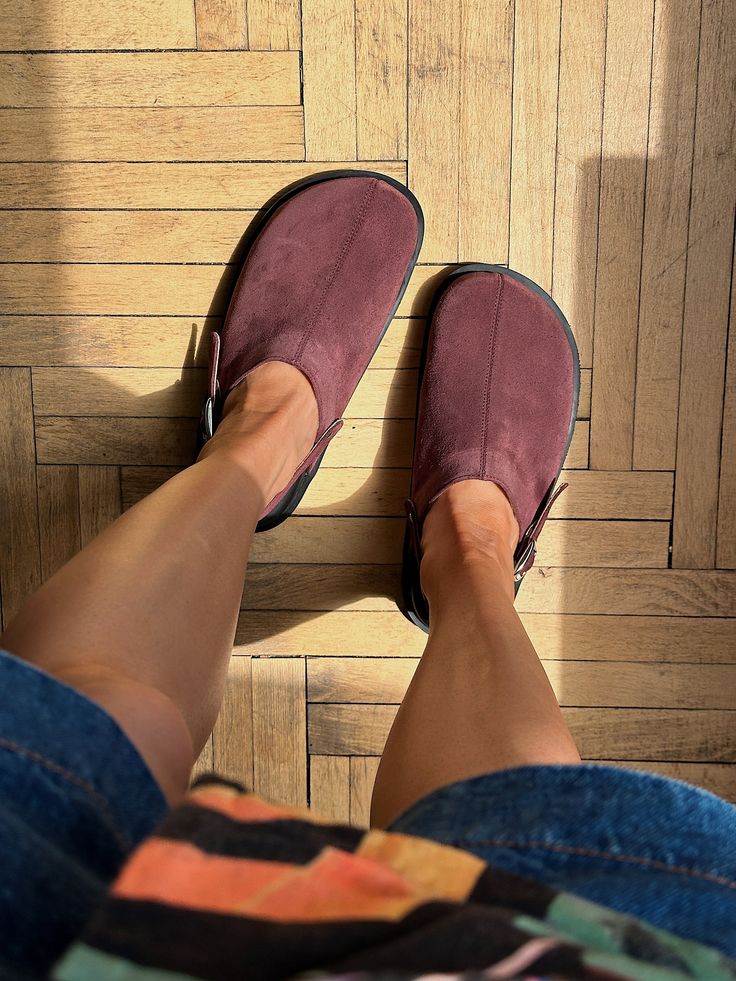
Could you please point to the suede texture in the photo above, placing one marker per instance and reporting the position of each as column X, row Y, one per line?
column 497, row 393
column 318, row 286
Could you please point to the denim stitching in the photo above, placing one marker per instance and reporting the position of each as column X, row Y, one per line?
column 489, row 374
column 367, row 198
column 595, row 853
column 120, row 837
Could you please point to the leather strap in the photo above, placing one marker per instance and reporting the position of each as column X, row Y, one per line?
column 526, row 550
column 208, row 423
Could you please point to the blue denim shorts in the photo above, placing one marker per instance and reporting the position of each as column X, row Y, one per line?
column 76, row 797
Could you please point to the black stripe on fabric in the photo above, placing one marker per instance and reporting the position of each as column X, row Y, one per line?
column 289, row 841
column 436, row 937
column 495, row 887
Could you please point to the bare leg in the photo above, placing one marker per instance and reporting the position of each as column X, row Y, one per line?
column 480, row 700
column 142, row 620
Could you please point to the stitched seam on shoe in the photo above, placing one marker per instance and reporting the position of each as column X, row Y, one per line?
column 489, row 375
column 652, row 863
column 100, row 801
column 360, row 218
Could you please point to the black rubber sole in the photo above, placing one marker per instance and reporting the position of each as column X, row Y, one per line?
column 289, row 502
column 413, row 603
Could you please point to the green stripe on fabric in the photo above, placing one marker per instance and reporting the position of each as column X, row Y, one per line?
column 83, row 963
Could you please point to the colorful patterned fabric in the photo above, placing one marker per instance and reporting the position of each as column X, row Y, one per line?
column 231, row 888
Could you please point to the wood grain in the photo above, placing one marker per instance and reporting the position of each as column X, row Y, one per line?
column 576, row 683
column 726, row 540
column 373, row 627
column 623, row 168
column 58, row 517
column 160, row 185
column 666, row 216
column 167, row 133
column 100, row 500
column 619, row 733
column 329, row 787
column 221, row 24
column 707, row 288
column 274, row 24
column 362, row 777
column 577, row 178
column 533, row 150
column 57, row 25
column 328, row 32
column 232, row 738
column 20, row 565
column 380, row 79
column 623, row 544
column 279, row 719
column 149, row 78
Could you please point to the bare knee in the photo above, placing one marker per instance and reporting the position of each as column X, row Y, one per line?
column 151, row 720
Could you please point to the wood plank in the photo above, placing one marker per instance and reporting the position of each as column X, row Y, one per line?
column 726, row 532
column 363, row 771
column 666, row 215
column 232, row 738
column 705, row 325
column 160, row 185
column 616, row 544
column 380, row 78
column 650, row 592
column 328, row 52
column 221, row 24
column 99, row 500
column 718, row 778
column 204, row 764
column 161, row 290
column 629, row 592
column 20, row 565
column 536, row 67
column 98, row 442
column 377, row 629
column 149, row 78
column 484, row 129
column 577, row 179
column 58, row 517
column 612, row 684
column 348, row 491
column 156, row 392
column 168, row 133
column 623, row 167
column 614, row 733
column 274, row 24
column 152, row 342
column 114, row 289
column 279, row 720
column 382, row 393
column 57, row 25
column 130, row 236
column 329, row 787
column 434, row 106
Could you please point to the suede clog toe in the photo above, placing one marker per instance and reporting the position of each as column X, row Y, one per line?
column 324, row 273
column 497, row 401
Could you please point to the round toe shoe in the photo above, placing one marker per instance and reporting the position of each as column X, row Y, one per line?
column 324, row 272
column 497, row 401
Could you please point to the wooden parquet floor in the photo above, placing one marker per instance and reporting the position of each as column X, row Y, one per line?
column 587, row 143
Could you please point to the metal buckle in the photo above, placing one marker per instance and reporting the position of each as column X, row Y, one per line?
column 520, row 571
column 208, row 418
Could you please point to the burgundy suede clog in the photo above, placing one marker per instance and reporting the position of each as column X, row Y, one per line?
column 323, row 275
column 498, row 396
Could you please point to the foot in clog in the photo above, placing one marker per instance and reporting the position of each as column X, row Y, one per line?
column 325, row 270
column 498, row 399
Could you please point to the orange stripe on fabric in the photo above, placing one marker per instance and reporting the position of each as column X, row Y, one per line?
column 335, row 886
column 246, row 807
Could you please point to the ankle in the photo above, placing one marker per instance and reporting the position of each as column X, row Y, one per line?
column 468, row 541
column 269, row 423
